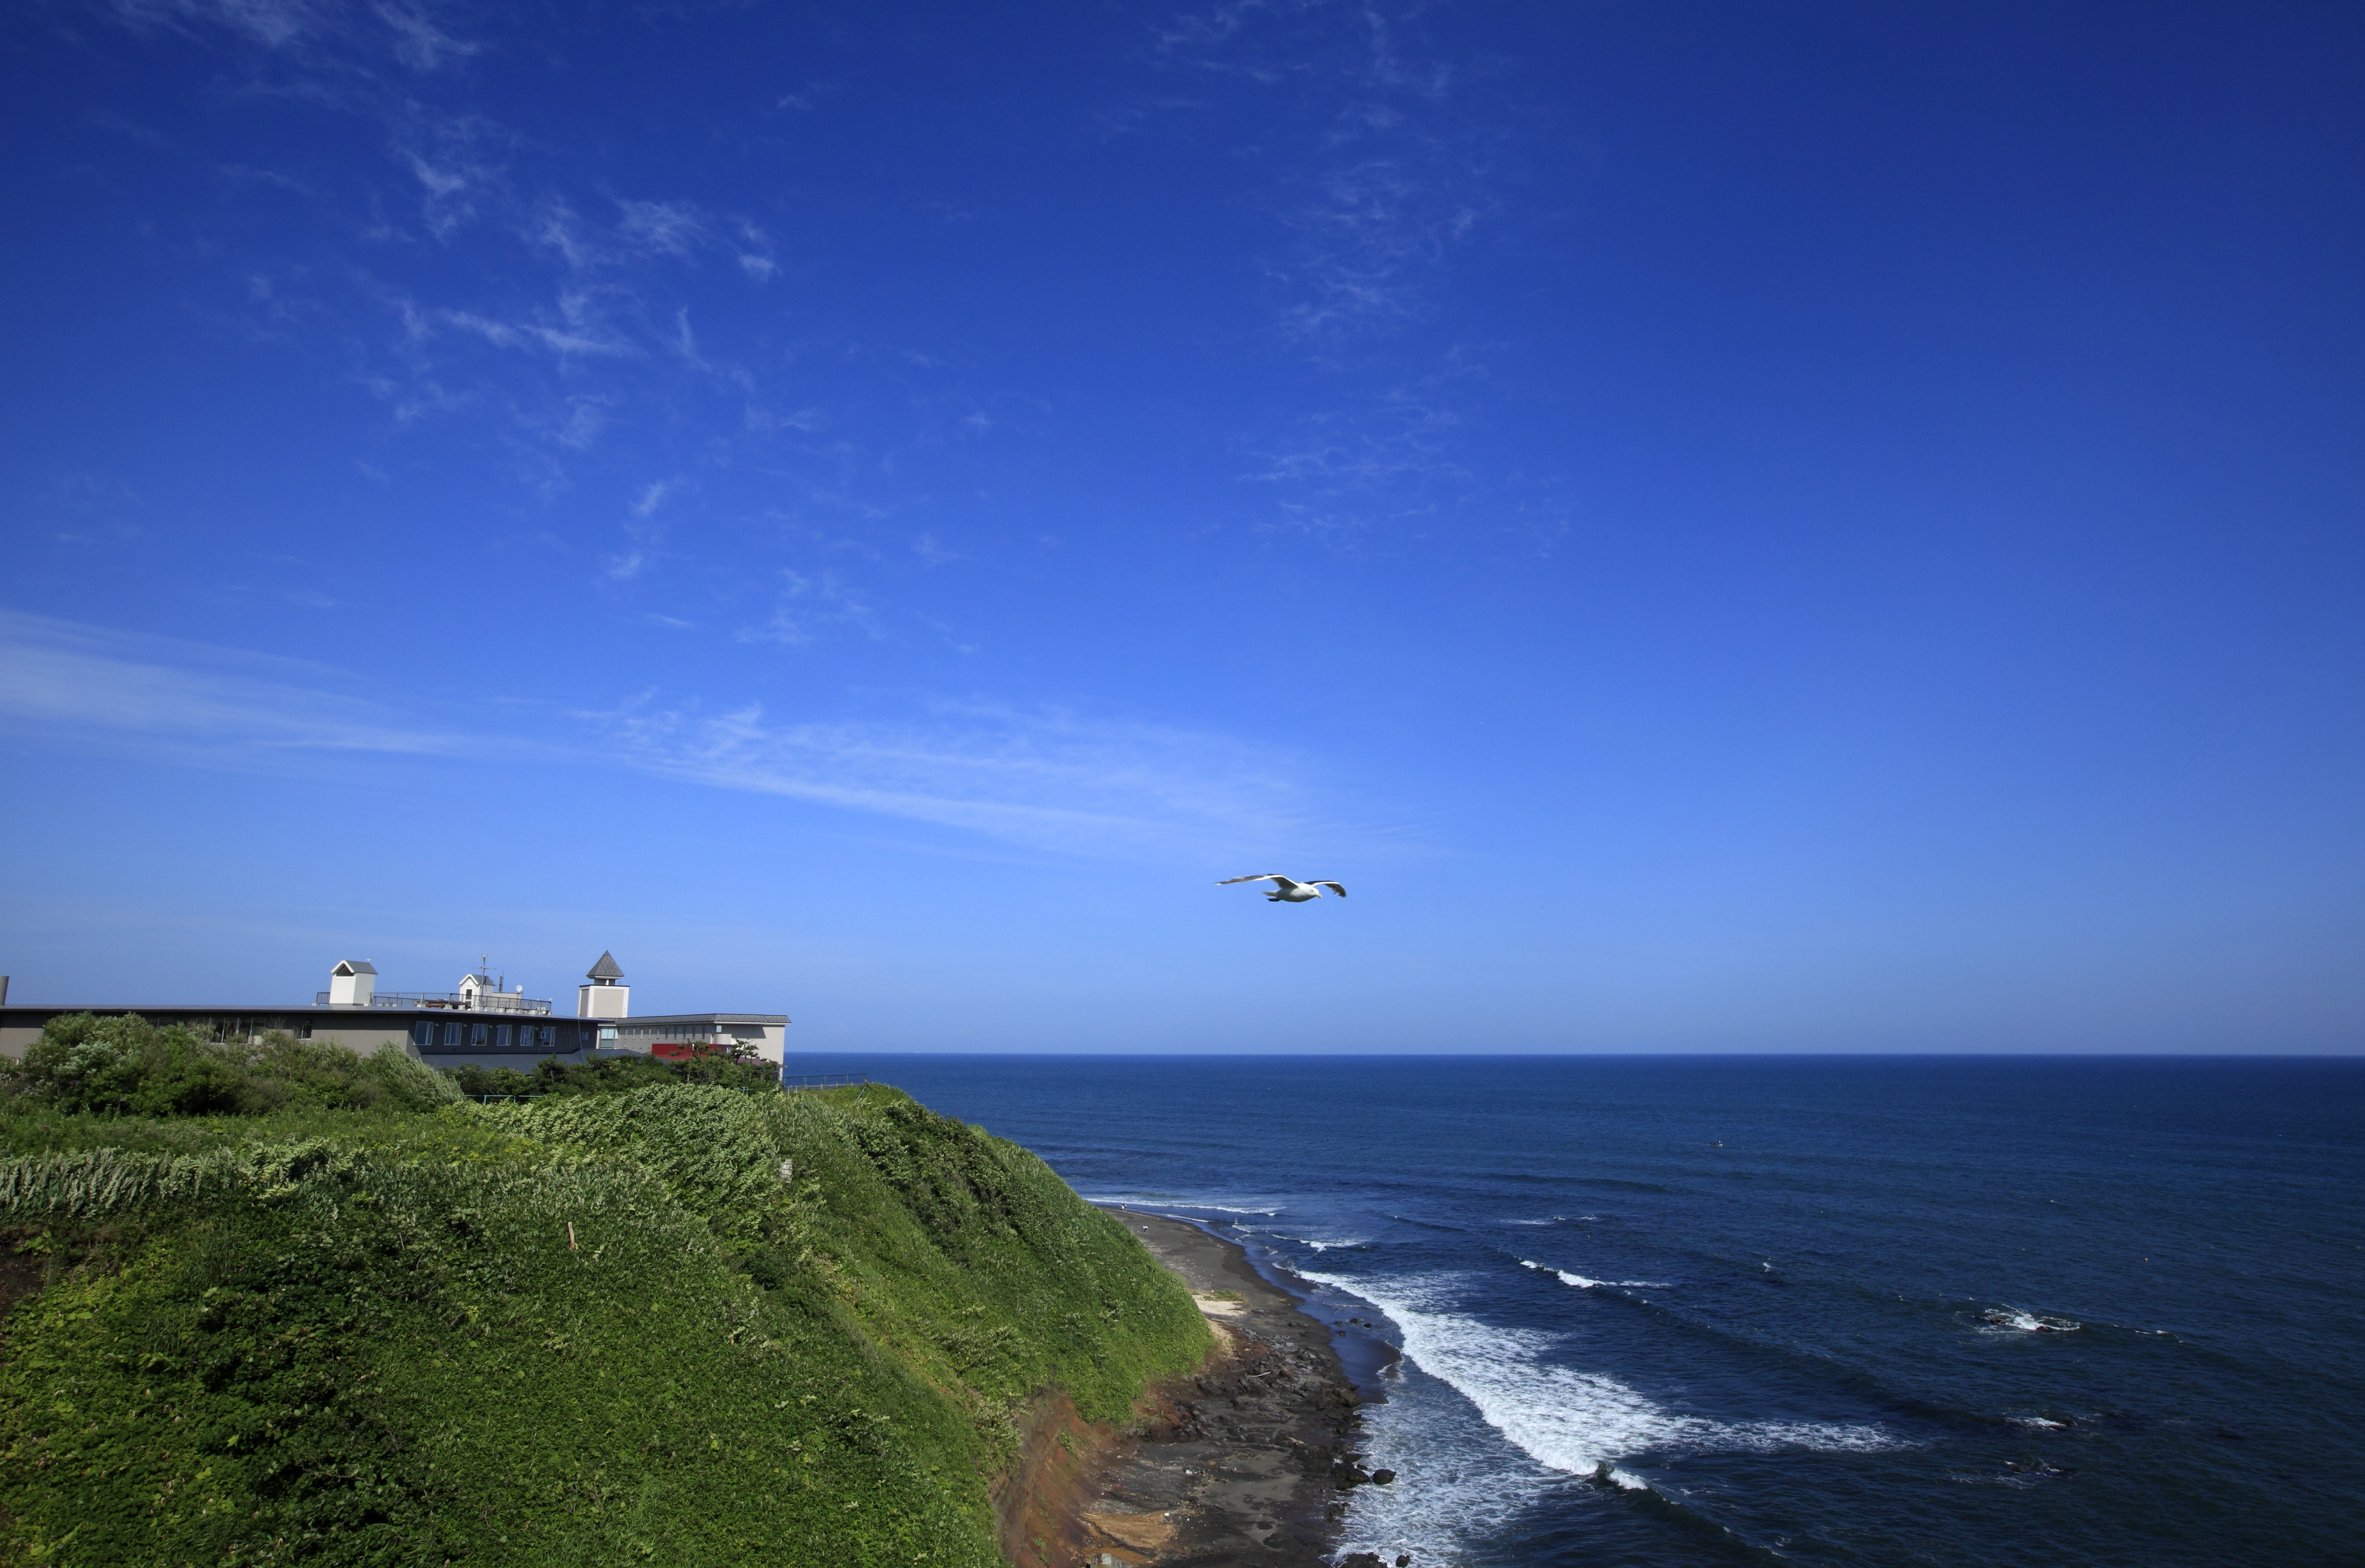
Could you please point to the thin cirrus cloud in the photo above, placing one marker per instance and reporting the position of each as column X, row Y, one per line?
column 411, row 33
column 1381, row 172
column 187, row 699
column 1044, row 780
column 612, row 268
column 1382, row 151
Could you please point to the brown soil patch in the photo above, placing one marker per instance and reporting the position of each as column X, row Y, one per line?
column 20, row 1276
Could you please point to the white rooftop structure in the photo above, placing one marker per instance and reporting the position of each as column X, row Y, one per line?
column 353, row 983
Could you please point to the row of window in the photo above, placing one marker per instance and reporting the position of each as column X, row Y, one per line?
column 452, row 1035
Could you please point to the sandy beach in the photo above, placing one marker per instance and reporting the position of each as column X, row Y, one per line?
column 1248, row 1460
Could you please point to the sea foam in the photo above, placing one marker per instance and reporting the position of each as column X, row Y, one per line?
column 1321, row 1246
column 2012, row 1320
column 1561, row 1417
column 1219, row 1208
column 1578, row 1282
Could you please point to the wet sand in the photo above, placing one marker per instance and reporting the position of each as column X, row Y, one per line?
column 1249, row 1462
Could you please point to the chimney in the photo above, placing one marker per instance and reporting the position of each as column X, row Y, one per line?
column 352, row 983
column 605, row 997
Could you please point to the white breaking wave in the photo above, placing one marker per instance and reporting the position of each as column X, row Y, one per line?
column 1568, row 1419
column 2011, row 1319
column 1457, row 1481
column 1580, row 1283
column 1220, row 1208
column 1319, row 1246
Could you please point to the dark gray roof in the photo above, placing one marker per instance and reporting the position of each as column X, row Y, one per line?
column 605, row 969
column 354, row 966
column 696, row 1018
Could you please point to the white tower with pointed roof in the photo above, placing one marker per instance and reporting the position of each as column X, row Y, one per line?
column 607, row 996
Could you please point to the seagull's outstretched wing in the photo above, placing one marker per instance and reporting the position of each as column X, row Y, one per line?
column 1337, row 888
column 1260, row 877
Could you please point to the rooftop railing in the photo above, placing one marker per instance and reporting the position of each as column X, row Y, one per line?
column 454, row 1001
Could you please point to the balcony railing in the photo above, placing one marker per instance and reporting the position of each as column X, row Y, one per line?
column 455, row 1001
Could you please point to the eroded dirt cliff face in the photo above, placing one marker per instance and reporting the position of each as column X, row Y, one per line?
column 1038, row 1500
column 1247, row 1461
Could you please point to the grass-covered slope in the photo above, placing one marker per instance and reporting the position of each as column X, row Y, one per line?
column 785, row 1329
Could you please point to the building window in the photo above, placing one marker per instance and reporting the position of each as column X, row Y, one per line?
column 478, row 1034
column 502, row 1033
column 547, row 1035
column 422, row 1033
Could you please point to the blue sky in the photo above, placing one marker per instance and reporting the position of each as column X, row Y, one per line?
column 1729, row 527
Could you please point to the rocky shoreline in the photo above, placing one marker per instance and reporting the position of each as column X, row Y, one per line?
column 1248, row 1460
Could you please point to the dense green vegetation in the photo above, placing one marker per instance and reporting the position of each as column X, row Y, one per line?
column 675, row 1323
column 127, row 1065
column 551, row 1076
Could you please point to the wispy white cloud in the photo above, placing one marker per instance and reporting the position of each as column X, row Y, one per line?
column 414, row 33
column 672, row 229
column 573, row 338
column 654, row 494
column 419, row 41
column 642, row 231
column 585, row 416
column 1383, row 150
column 808, row 605
column 275, row 24
column 1381, row 163
column 1370, row 233
column 558, row 267
column 187, row 698
column 1046, row 778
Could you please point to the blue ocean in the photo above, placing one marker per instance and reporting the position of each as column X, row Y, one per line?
column 1672, row 1311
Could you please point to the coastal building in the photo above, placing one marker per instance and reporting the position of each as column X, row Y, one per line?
column 679, row 1035
column 481, row 1022
column 604, row 996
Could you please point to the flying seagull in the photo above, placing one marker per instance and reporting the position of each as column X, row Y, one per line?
column 1284, row 890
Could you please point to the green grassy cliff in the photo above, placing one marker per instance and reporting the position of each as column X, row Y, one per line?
column 680, row 1324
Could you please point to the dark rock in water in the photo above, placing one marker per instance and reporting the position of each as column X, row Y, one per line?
column 1382, row 1477
column 1360, row 1560
column 1404, row 1559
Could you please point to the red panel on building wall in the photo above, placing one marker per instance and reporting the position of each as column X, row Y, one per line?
column 673, row 1052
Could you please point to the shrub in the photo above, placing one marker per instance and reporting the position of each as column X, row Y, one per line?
column 618, row 1075
column 126, row 1066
